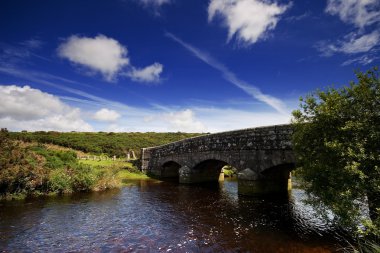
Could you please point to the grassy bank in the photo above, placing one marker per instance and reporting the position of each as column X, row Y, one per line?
column 29, row 169
column 123, row 170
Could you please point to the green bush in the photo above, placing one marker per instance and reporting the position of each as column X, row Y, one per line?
column 60, row 181
column 84, row 177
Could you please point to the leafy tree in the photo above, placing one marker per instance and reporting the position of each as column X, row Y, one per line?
column 337, row 144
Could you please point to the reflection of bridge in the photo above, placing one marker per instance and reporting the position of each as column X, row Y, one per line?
column 263, row 157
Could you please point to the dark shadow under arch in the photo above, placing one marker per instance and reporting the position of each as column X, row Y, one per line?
column 170, row 170
column 279, row 171
column 209, row 170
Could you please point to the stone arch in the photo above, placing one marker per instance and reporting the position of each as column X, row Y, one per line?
column 202, row 170
column 170, row 169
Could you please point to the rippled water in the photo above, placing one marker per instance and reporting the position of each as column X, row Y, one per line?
column 164, row 217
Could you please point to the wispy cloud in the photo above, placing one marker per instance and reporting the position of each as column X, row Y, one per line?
column 364, row 16
column 297, row 18
column 154, row 5
column 253, row 91
column 45, row 79
column 362, row 60
column 20, row 52
column 352, row 43
column 360, row 13
column 154, row 2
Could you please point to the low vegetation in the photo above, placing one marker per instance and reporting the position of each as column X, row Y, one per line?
column 229, row 171
column 34, row 168
column 117, row 144
column 124, row 170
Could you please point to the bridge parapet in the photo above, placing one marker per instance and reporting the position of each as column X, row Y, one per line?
column 260, row 138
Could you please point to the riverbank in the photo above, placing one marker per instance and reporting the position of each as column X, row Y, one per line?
column 34, row 169
column 124, row 170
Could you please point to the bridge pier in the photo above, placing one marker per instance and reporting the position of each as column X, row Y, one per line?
column 253, row 184
column 191, row 176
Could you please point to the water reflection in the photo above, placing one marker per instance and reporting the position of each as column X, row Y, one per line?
column 165, row 217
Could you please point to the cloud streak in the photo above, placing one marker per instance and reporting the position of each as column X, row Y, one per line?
column 253, row 91
column 360, row 13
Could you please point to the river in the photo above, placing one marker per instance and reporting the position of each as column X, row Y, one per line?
column 148, row 216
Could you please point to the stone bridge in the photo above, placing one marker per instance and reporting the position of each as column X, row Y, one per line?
column 263, row 157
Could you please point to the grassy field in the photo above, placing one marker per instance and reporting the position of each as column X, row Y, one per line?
column 123, row 170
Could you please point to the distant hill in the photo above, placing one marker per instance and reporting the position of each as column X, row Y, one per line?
column 102, row 143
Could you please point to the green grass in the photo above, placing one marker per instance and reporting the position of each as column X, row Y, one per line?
column 123, row 170
column 125, row 175
column 108, row 163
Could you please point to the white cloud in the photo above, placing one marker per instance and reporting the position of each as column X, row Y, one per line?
column 195, row 119
column 249, row 20
column 107, row 56
column 148, row 74
column 218, row 119
column 362, row 60
column 101, row 54
column 253, row 91
column 184, row 120
column 351, row 44
column 105, row 114
column 360, row 13
column 31, row 109
column 360, row 44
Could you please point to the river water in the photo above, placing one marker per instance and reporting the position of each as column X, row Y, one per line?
column 148, row 216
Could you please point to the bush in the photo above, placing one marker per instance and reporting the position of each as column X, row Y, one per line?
column 60, row 181
column 83, row 178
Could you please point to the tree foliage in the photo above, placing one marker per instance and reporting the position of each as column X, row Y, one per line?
column 337, row 144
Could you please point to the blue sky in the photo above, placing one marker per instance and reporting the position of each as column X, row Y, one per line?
column 175, row 65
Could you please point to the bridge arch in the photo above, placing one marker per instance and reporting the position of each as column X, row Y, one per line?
column 208, row 170
column 170, row 170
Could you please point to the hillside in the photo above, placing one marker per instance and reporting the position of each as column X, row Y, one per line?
column 102, row 143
